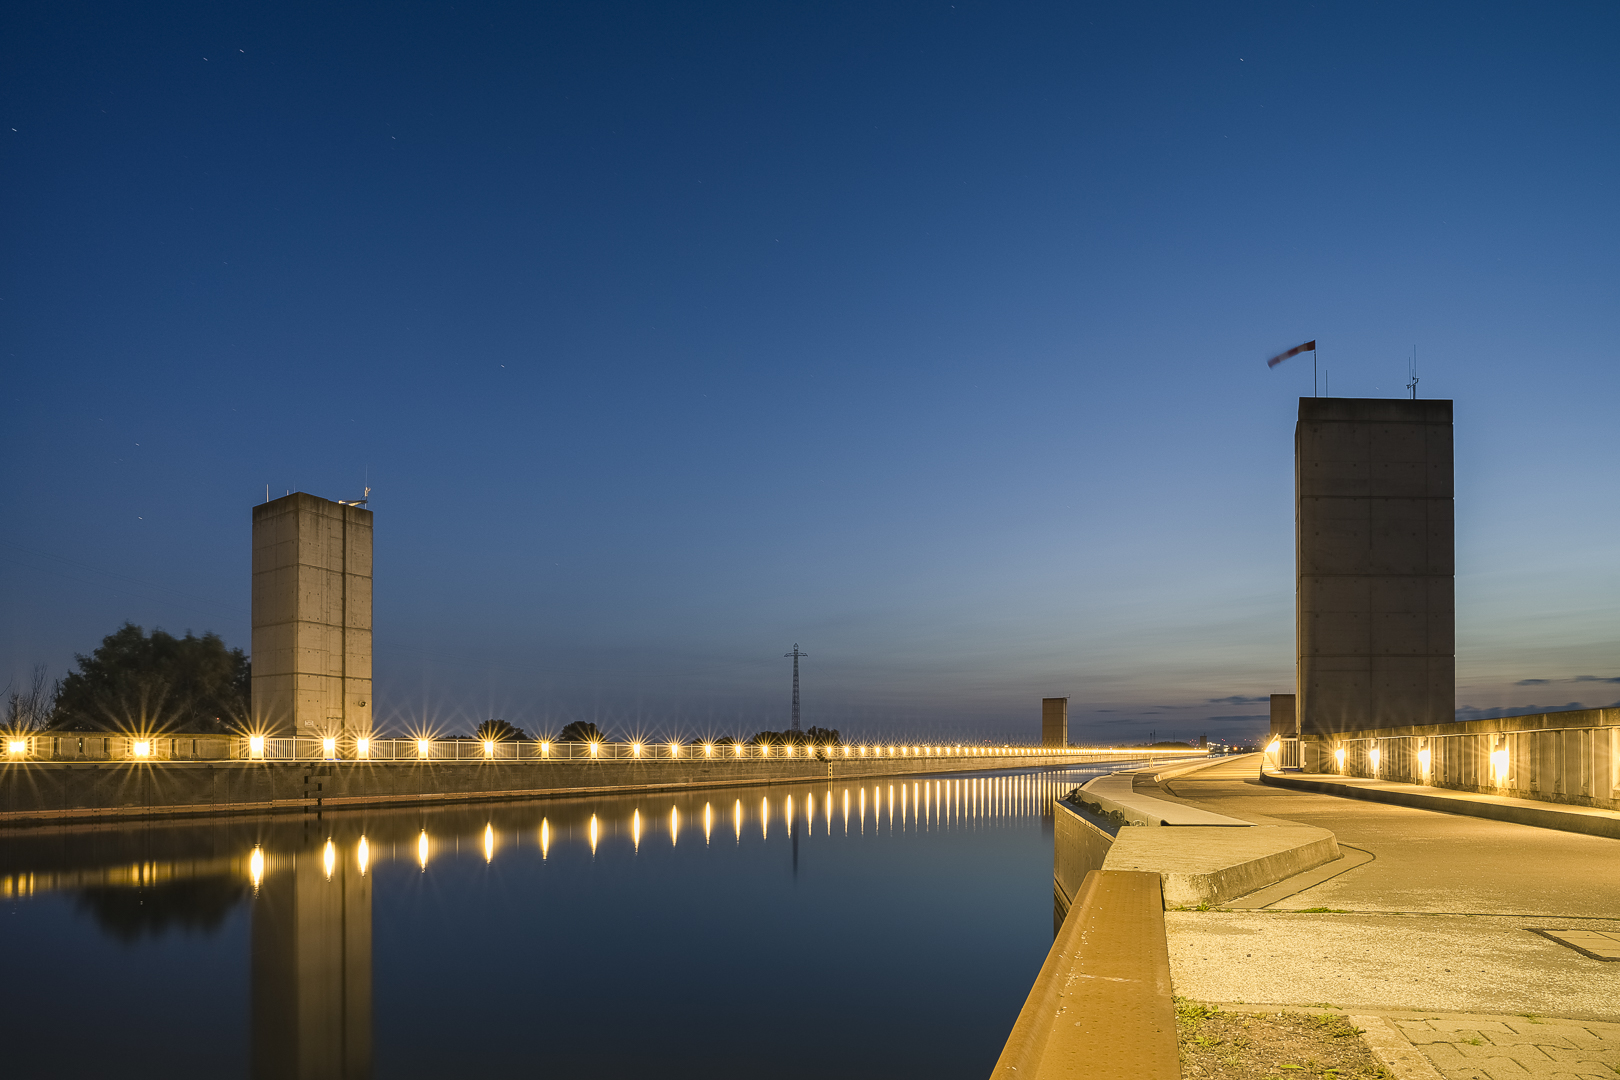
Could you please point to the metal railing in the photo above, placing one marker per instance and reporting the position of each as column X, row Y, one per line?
column 1571, row 757
column 103, row 746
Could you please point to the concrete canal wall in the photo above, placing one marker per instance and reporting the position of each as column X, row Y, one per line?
column 1102, row 1005
column 42, row 791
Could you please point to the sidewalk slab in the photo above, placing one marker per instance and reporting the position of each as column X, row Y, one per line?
column 1468, row 965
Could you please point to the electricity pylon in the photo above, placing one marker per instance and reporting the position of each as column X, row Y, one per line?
column 795, row 654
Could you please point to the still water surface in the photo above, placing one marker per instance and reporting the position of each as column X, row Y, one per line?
column 889, row 927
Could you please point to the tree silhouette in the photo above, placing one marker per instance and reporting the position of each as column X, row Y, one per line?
column 581, row 731
column 500, row 731
column 156, row 682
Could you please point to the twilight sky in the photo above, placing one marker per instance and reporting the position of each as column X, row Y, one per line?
column 928, row 336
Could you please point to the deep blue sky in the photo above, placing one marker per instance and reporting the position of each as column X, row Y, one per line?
column 930, row 337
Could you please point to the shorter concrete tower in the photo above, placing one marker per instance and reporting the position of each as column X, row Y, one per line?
column 311, row 617
column 1284, row 717
column 1055, row 721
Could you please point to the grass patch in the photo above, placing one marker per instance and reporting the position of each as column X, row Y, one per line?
column 1218, row 1045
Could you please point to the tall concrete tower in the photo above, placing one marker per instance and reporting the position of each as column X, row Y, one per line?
column 1375, row 564
column 311, row 616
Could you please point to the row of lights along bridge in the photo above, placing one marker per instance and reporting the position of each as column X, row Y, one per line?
column 674, row 750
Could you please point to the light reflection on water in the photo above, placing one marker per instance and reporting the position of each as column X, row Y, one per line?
column 370, row 943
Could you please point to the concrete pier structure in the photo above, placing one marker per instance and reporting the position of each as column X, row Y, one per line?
column 311, row 617
column 1375, row 564
column 1055, row 721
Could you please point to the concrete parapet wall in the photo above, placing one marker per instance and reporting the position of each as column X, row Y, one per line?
column 51, row 791
column 1101, row 1006
column 1564, row 757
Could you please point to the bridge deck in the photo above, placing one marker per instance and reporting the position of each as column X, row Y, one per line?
column 1435, row 920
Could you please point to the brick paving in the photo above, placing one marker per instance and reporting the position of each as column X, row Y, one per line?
column 1514, row 1047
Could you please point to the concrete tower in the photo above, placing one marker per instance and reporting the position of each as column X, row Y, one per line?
column 311, row 616
column 1055, row 721
column 1375, row 564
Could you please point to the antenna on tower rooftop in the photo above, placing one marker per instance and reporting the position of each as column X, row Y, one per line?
column 795, row 654
column 1411, row 371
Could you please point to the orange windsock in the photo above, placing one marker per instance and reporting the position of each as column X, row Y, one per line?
column 1309, row 346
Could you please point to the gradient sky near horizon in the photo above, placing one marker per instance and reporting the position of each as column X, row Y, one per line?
column 928, row 336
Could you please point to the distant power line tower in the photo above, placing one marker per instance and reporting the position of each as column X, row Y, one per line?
column 795, row 654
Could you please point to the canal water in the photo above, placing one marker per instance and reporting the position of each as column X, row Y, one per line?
column 881, row 928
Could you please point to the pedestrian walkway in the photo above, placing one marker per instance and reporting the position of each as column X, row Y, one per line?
column 1425, row 861
column 1434, row 913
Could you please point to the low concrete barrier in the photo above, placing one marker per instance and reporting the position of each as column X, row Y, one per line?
column 1592, row 821
column 1101, row 1007
column 1198, row 865
column 1202, row 857
column 1212, row 866
column 1116, row 794
column 1155, row 773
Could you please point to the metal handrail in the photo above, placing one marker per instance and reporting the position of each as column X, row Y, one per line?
column 1560, row 764
column 104, row 746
